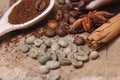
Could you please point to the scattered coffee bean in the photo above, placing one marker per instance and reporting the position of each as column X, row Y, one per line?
column 38, row 42
column 43, row 47
column 53, row 55
column 40, row 53
column 30, row 39
column 48, row 42
column 24, row 48
column 74, row 48
column 55, row 46
column 43, row 69
column 33, row 53
column 64, row 61
column 53, row 64
column 54, row 75
column 62, row 42
column 94, row 55
column 60, row 54
column 81, row 58
column 70, row 56
column 67, row 50
column 77, row 64
column 86, row 48
column 44, row 59
column 82, row 52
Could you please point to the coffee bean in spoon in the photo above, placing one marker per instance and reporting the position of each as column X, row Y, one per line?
column 40, row 5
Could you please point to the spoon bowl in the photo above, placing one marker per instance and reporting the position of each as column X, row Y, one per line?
column 6, row 27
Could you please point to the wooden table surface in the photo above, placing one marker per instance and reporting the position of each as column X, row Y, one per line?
column 17, row 66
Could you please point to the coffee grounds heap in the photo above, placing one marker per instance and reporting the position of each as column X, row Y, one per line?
column 25, row 11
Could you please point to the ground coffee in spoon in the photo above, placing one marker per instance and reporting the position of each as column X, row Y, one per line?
column 26, row 10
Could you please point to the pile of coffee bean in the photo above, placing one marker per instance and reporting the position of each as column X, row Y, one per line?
column 54, row 52
column 66, row 14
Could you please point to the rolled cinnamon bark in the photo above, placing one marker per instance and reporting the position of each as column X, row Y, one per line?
column 104, row 33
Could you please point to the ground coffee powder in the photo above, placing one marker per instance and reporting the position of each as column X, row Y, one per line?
column 25, row 11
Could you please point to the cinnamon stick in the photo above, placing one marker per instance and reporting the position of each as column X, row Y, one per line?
column 104, row 33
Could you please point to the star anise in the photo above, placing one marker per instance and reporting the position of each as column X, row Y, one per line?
column 90, row 22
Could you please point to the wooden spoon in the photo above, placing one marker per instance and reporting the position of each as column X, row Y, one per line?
column 6, row 27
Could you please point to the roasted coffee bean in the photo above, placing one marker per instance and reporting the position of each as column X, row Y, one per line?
column 52, row 24
column 74, row 13
column 72, row 20
column 61, row 7
column 80, row 4
column 61, row 31
column 58, row 15
column 40, row 5
column 64, row 22
column 66, row 14
column 75, row 4
column 50, row 33
column 37, row 4
column 69, row 6
column 79, row 40
column 87, row 1
column 62, row 1
column 74, row 0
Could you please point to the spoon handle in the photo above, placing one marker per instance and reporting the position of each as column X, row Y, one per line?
column 5, row 28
